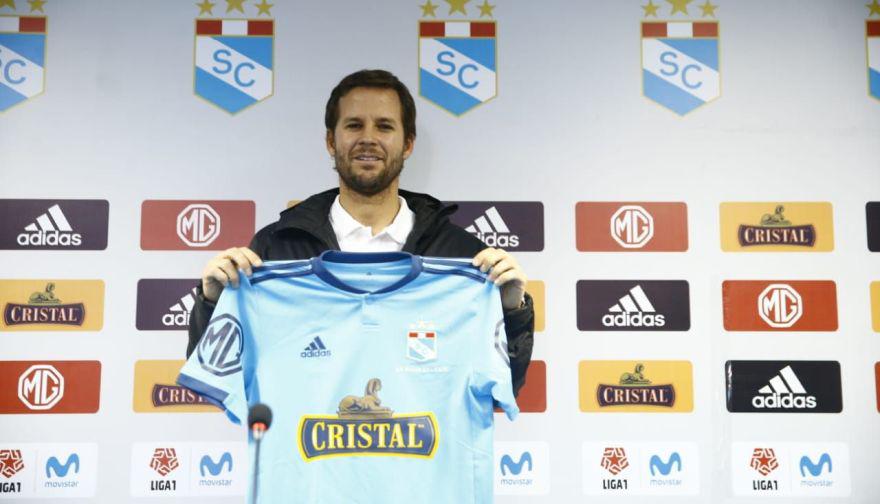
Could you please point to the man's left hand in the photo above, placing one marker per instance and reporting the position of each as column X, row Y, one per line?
column 506, row 273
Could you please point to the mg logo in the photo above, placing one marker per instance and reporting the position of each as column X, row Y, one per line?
column 632, row 226
column 779, row 305
column 220, row 349
column 40, row 387
column 198, row 225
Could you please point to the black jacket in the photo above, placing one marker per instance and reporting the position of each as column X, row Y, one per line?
column 304, row 231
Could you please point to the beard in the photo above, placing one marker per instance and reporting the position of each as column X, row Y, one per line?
column 371, row 183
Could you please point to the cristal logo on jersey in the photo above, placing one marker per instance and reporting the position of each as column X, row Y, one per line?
column 364, row 426
column 234, row 57
column 198, row 225
column 22, row 55
column 219, row 351
column 632, row 226
column 457, row 58
column 40, row 387
column 680, row 60
column 872, row 43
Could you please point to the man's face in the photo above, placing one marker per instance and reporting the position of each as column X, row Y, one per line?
column 368, row 142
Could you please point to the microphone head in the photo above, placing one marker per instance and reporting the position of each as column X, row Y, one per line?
column 259, row 413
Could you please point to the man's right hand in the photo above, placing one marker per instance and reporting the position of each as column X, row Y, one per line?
column 223, row 270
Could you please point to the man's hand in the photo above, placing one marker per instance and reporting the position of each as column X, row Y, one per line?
column 223, row 270
column 506, row 273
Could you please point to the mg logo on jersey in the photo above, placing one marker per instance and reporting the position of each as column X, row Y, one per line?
column 198, row 225
column 780, row 305
column 234, row 57
column 41, row 387
column 457, row 59
column 22, row 58
column 680, row 69
column 632, row 226
column 219, row 351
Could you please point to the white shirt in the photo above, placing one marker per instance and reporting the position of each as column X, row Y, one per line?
column 355, row 237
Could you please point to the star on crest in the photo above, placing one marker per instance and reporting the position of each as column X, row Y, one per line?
column 206, row 7
column 37, row 5
column 234, row 5
column 457, row 6
column 263, row 8
column 709, row 9
column 486, row 9
column 10, row 3
column 679, row 6
column 650, row 9
column 428, row 9
column 875, row 8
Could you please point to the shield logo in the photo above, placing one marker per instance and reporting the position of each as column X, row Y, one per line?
column 22, row 58
column 421, row 346
column 680, row 68
column 457, row 63
column 234, row 61
column 872, row 34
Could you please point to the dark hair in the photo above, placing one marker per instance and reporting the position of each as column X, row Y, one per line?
column 382, row 79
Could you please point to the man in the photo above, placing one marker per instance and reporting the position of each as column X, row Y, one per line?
column 370, row 121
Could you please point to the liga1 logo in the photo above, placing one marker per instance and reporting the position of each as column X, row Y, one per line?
column 234, row 57
column 680, row 60
column 22, row 55
column 457, row 58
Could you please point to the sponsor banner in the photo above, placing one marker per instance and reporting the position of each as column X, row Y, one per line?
column 44, row 224
column 777, row 227
column 23, row 65
column 165, row 304
column 508, row 225
column 633, row 305
column 522, row 468
column 779, row 305
column 536, row 289
column 196, row 225
column 635, row 386
column 631, row 226
column 532, row 397
column 165, row 469
column 50, row 386
column 47, row 471
column 156, row 389
column 626, row 468
column 772, row 469
column 52, row 305
column 872, row 215
column 783, row 387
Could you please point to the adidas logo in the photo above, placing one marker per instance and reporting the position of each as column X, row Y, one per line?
column 633, row 310
column 784, row 391
column 178, row 315
column 315, row 349
column 491, row 229
column 51, row 228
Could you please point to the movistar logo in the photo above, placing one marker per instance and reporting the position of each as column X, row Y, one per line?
column 815, row 470
column 507, row 464
column 207, row 463
column 665, row 468
column 61, row 470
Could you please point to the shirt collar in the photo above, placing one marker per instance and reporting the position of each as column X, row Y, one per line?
column 344, row 224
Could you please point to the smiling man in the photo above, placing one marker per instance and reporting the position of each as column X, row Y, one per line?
column 371, row 130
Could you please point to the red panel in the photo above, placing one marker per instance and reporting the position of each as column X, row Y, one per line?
column 705, row 29
column 32, row 24
column 653, row 29
column 482, row 29
column 261, row 27
column 432, row 29
column 209, row 27
column 874, row 28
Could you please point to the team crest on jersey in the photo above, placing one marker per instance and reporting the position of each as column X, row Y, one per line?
column 421, row 342
column 364, row 426
column 457, row 57
column 680, row 59
column 872, row 44
column 22, row 54
column 234, row 56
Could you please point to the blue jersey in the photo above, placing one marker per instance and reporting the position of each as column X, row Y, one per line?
column 380, row 369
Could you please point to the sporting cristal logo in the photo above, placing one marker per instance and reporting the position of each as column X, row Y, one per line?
column 363, row 426
column 457, row 57
column 872, row 43
column 22, row 52
column 680, row 68
column 234, row 57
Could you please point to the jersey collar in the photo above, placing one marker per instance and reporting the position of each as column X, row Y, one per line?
column 360, row 258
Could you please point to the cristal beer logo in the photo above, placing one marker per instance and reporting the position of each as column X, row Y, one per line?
column 219, row 352
column 775, row 229
column 198, row 225
column 155, row 390
column 41, row 387
column 635, row 388
column 632, row 226
column 44, row 308
column 780, row 305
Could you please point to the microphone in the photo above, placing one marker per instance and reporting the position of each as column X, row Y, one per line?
column 259, row 420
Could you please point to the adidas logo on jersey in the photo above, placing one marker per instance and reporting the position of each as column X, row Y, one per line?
column 633, row 310
column 784, row 391
column 491, row 229
column 178, row 315
column 50, row 228
column 315, row 349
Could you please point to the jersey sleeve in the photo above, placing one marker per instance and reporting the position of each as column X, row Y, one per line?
column 491, row 364
column 221, row 368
